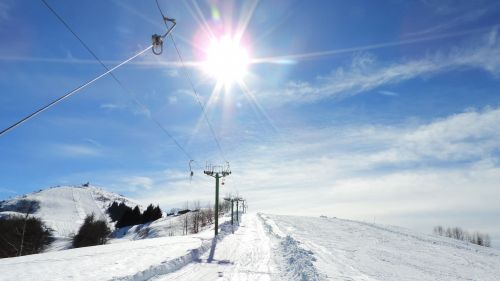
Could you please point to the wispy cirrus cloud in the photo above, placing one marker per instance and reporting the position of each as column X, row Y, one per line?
column 388, row 93
column 424, row 170
column 450, row 7
column 7, row 190
column 76, row 150
column 111, row 106
column 138, row 183
column 135, row 108
column 325, row 158
column 366, row 74
column 464, row 18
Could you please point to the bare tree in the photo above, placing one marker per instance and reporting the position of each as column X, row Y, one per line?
column 203, row 217
column 487, row 241
column 36, row 236
column 210, row 213
column 27, row 207
column 460, row 234
column 170, row 228
column 195, row 217
column 186, row 219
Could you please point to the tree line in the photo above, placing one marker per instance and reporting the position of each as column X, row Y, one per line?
column 458, row 233
column 124, row 215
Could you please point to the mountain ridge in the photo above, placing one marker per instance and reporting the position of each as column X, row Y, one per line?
column 63, row 208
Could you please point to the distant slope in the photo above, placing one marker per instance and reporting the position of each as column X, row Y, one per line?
column 63, row 208
column 349, row 250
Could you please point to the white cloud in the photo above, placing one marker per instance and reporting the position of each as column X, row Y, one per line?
column 76, row 150
column 365, row 74
column 93, row 142
column 462, row 136
column 172, row 73
column 464, row 17
column 172, row 99
column 7, row 190
column 135, row 183
column 111, row 106
column 413, row 175
column 324, row 159
column 447, row 7
column 135, row 108
column 388, row 93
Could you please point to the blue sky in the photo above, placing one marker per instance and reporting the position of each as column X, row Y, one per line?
column 370, row 110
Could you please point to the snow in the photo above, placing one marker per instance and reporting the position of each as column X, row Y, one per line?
column 350, row 250
column 244, row 255
column 264, row 247
column 64, row 208
column 298, row 262
column 134, row 260
column 166, row 226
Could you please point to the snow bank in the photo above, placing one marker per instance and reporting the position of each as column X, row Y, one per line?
column 114, row 261
column 167, row 266
column 296, row 262
column 175, row 264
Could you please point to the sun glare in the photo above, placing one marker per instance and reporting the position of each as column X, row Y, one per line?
column 227, row 61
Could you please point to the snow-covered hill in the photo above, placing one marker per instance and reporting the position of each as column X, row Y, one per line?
column 64, row 208
column 269, row 247
column 340, row 249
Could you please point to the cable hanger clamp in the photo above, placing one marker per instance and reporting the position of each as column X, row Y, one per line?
column 157, row 40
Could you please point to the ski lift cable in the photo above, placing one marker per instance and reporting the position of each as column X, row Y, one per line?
column 188, row 76
column 126, row 89
column 203, row 109
column 72, row 92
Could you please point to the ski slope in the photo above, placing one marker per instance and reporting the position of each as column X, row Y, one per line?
column 351, row 250
column 244, row 255
column 268, row 247
column 64, row 208
column 134, row 260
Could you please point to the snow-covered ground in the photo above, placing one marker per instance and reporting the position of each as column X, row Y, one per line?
column 64, row 208
column 134, row 260
column 267, row 247
column 166, row 226
column 350, row 250
column 244, row 255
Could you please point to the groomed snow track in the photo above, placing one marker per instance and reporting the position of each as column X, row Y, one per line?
column 176, row 264
column 245, row 255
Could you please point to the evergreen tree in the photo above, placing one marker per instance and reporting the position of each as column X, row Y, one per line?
column 157, row 213
column 92, row 232
column 116, row 211
column 148, row 214
column 136, row 216
column 125, row 220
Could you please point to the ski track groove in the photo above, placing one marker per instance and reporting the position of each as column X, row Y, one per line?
column 244, row 255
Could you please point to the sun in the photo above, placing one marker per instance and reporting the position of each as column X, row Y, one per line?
column 226, row 60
